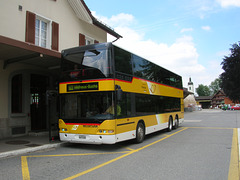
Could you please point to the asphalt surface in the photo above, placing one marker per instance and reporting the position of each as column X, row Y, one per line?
column 201, row 148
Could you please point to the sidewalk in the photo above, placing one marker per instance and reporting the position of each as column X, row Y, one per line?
column 26, row 144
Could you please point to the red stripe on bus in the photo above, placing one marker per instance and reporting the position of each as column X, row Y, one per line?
column 89, row 124
column 95, row 80
column 157, row 83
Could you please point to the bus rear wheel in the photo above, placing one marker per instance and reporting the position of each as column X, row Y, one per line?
column 176, row 123
column 140, row 132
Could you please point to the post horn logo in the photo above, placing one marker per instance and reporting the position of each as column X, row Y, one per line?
column 153, row 88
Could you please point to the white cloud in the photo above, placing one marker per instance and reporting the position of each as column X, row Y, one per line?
column 186, row 30
column 206, row 28
column 228, row 3
column 180, row 57
column 121, row 19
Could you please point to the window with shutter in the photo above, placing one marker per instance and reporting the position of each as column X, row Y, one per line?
column 41, row 31
column 81, row 39
column 88, row 40
column 55, row 35
column 30, row 27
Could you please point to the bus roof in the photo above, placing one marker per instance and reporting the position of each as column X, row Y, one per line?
column 87, row 47
column 105, row 45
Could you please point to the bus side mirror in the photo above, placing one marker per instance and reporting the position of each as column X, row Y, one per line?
column 119, row 92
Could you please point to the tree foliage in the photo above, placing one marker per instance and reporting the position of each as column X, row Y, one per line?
column 203, row 90
column 215, row 86
column 231, row 75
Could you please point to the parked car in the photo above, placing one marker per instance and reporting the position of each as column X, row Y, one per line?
column 235, row 108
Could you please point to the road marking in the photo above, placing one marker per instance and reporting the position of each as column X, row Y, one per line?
column 192, row 120
column 85, row 154
column 130, row 149
column 233, row 173
column 233, row 167
column 239, row 146
column 210, row 128
column 25, row 171
column 120, row 157
column 99, row 166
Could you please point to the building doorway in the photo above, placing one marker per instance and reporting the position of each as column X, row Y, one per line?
column 38, row 87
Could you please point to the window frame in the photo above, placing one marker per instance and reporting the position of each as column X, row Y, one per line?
column 88, row 40
column 48, row 31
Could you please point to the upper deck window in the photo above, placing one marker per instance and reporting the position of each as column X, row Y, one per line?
column 123, row 62
column 88, row 64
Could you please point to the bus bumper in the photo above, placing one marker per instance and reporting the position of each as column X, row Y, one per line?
column 87, row 139
column 181, row 121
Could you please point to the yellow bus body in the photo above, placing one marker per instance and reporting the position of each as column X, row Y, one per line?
column 116, row 130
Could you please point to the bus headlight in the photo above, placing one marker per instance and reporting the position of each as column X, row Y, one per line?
column 63, row 129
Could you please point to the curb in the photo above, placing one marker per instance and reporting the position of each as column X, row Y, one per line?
column 29, row 150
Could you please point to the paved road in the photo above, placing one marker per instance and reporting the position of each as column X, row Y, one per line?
column 204, row 147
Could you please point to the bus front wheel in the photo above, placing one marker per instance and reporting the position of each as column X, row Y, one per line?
column 170, row 124
column 140, row 132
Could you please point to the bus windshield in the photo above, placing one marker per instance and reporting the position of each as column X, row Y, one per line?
column 88, row 64
column 86, row 107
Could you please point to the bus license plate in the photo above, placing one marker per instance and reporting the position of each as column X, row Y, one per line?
column 82, row 137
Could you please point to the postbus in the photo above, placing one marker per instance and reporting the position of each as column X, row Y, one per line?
column 108, row 95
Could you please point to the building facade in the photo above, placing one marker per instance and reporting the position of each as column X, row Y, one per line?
column 204, row 101
column 32, row 35
column 219, row 99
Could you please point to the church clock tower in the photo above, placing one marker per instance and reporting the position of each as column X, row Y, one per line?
column 190, row 86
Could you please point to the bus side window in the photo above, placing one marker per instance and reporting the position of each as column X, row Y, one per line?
column 125, row 105
column 123, row 62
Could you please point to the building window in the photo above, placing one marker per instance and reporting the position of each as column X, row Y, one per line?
column 88, row 40
column 42, row 35
column 42, row 31
column 17, row 94
column 85, row 40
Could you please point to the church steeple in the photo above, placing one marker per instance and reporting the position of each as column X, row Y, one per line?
column 190, row 86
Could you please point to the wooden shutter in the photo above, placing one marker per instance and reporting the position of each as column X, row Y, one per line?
column 81, row 39
column 30, row 27
column 55, row 36
column 95, row 41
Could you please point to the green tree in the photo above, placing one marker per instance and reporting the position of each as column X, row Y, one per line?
column 231, row 75
column 215, row 86
column 203, row 90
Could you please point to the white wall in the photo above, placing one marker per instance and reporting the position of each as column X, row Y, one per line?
column 13, row 21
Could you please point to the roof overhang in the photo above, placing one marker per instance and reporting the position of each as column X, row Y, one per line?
column 82, row 12
column 13, row 51
column 186, row 92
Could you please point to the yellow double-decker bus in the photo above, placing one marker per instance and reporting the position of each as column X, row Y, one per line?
column 108, row 95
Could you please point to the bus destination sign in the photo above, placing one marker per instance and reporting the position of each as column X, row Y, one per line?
column 82, row 87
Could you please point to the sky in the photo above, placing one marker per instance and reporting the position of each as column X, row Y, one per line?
column 188, row 37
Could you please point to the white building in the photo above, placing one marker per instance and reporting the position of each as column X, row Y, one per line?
column 32, row 35
column 189, row 101
column 190, row 86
